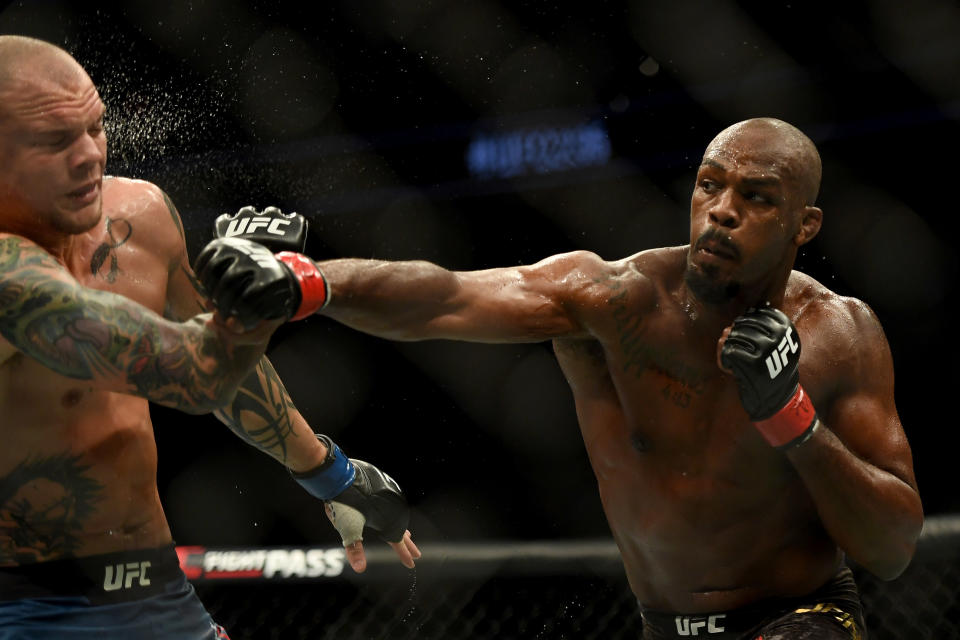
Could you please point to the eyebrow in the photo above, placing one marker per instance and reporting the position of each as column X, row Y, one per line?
column 59, row 128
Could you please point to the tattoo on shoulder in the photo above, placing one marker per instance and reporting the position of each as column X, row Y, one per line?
column 685, row 381
column 174, row 214
column 44, row 505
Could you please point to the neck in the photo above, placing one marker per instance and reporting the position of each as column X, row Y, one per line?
column 717, row 315
column 56, row 243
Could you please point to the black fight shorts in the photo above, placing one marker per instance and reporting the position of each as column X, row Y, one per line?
column 134, row 595
column 832, row 612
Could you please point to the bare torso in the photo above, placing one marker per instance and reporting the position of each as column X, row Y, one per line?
column 78, row 466
column 707, row 515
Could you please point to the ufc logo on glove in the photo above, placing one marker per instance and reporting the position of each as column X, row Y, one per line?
column 777, row 360
column 241, row 226
column 271, row 227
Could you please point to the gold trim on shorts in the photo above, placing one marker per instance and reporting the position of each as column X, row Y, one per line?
column 838, row 614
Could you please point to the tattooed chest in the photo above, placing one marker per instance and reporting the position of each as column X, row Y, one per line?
column 679, row 379
column 116, row 260
column 676, row 375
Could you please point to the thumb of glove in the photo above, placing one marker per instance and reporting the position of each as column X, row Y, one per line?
column 346, row 520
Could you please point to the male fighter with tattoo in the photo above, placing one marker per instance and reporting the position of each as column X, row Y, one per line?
column 737, row 471
column 100, row 314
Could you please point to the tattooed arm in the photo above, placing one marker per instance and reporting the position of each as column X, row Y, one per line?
column 261, row 413
column 115, row 343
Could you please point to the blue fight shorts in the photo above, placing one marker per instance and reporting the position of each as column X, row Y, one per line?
column 832, row 612
column 131, row 595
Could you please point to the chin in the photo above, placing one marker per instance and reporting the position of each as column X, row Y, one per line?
column 709, row 286
column 80, row 220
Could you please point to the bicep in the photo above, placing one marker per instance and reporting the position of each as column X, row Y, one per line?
column 530, row 303
column 184, row 296
column 869, row 426
column 863, row 414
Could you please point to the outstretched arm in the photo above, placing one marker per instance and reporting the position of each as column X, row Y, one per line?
column 419, row 300
column 115, row 343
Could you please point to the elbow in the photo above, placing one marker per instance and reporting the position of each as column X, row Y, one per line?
column 220, row 398
column 894, row 558
column 212, row 399
column 891, row 566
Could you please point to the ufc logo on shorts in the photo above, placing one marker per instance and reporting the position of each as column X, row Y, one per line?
column 121, row 576
column 777, row 360
column 693, row 625
column 241, row 226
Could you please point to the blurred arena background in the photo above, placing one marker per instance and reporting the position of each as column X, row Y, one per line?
column 486, row 133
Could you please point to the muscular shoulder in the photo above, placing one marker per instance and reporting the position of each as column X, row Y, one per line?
column 590, row 286
column 148, row 210
column 844, row 331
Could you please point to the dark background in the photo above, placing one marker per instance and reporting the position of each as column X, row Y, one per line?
column 361, row 115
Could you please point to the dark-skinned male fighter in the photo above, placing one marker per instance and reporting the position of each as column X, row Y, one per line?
column 739, row 416
column 100, row 314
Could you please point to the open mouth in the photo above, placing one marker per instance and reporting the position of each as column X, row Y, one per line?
column 85, row 194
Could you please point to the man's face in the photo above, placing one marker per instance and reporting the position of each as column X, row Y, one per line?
column 53, row 151
column 743, row 216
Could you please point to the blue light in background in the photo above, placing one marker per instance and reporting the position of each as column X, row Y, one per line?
column 538, row 151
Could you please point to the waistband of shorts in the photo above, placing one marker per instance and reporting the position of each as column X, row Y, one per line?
column 102, row 579
column 840, row 590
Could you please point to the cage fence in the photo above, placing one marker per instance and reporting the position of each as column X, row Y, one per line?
column 549, row 590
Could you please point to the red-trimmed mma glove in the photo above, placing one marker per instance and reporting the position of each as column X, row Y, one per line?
column 358, row 495
column 763, row 352
column 245, row 280
column 285, row 234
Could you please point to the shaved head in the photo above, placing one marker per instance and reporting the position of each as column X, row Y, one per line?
column 26, row 60
column 789, row 151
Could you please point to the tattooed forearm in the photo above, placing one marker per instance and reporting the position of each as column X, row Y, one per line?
column 94, row 335
column 261, row 412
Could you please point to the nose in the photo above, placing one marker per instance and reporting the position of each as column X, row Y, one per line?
column 88, row 150
column 723, row 210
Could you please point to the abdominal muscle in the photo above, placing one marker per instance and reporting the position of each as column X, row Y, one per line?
column 679, row 560
column 77, row 470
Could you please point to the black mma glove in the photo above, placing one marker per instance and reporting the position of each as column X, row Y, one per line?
column 244, row 280
column 763, row 352
column 358, row 495
column 298, row 289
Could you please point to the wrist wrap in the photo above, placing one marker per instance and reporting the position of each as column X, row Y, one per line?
column 332, row 477
column 313, row 284
column 791, row 425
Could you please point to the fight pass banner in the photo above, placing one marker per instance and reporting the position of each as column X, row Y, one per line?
column 202, row 564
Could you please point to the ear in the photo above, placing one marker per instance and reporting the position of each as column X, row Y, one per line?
column 810, row 221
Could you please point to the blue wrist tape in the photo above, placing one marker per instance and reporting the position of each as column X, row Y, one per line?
column 332, row 477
